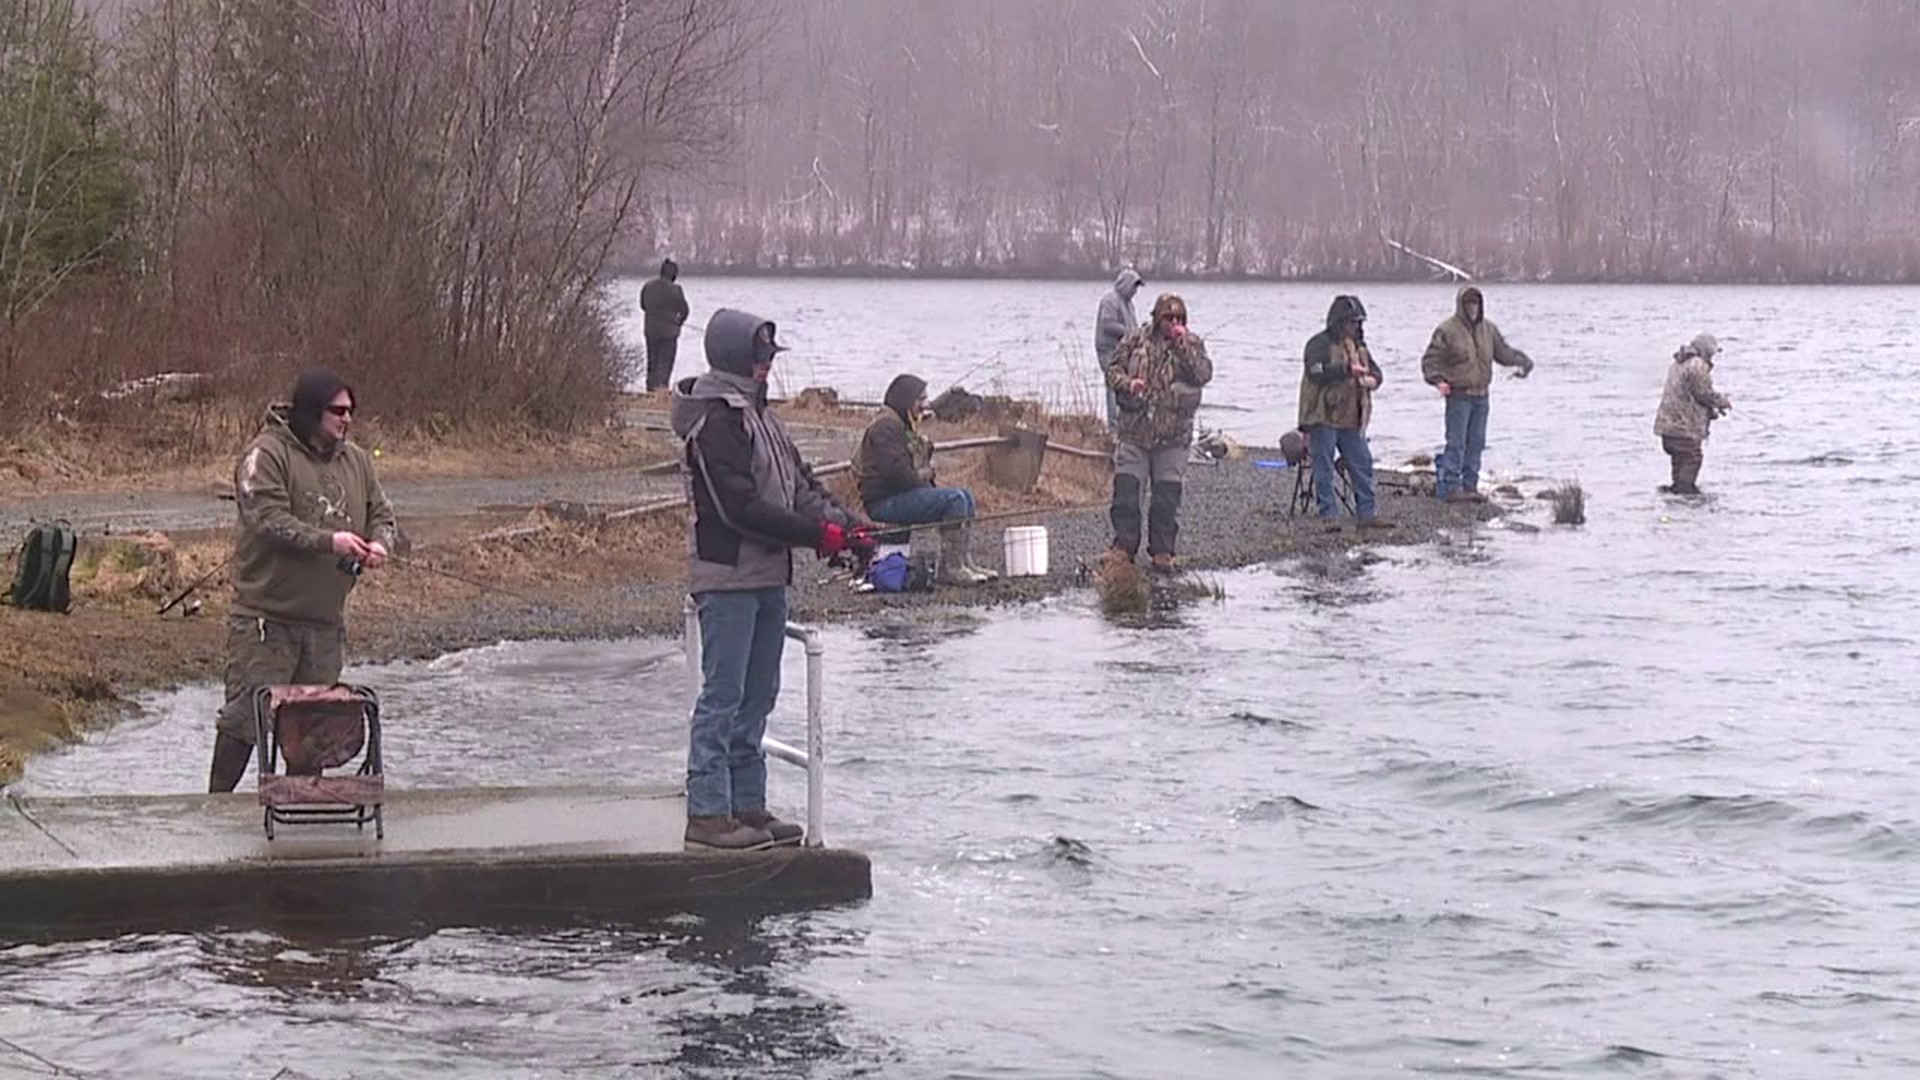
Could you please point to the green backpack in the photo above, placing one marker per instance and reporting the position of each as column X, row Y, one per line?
column 46, row 559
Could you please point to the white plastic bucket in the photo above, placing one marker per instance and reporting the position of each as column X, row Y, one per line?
column 1026, row 551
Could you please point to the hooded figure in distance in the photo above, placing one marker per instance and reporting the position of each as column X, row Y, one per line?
column 894, row 471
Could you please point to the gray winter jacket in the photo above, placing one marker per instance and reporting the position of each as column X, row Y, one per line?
column 1116, row 317
column 754, row 499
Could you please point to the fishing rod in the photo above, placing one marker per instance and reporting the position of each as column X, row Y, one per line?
column 201, row 580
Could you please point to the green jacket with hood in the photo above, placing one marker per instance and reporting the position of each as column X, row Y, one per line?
column 1330, row 394
column 1463, row 350
column 291, row 500
column 894, row 457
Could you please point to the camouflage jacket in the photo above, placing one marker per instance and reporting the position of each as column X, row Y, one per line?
column 1161, row 415
column 1689, row 403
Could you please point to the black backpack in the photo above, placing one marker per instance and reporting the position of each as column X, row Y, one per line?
column 40, row 581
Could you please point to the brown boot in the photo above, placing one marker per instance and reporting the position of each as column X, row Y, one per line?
column 725, row 834
column 784, row 833
column 1163, row 564
column 1460, row 497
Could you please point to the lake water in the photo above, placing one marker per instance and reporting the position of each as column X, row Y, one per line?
column 1635, row 799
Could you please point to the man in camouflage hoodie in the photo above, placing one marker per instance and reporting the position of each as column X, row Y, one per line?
column 311, row 517
column 1688, row 407
column 1156, row 375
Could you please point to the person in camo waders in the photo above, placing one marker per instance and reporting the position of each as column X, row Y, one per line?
column 311, row 517
column 1688, row 407
column 1156, row 373
column 754, row 501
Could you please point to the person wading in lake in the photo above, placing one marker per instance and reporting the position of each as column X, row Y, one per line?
column 311, row 516
column 1336, row 404
column 1113, row 323
column 665, row 308
column 754, row 501
column 1156, row 374
column 1688, row 407
column 1459, row 363
column 894, row 471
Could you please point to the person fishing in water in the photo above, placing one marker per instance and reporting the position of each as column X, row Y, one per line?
column 1688, row 407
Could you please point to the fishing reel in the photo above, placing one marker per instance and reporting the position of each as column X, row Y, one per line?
column 857, row 557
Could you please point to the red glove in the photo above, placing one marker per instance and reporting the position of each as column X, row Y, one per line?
column 833, row 540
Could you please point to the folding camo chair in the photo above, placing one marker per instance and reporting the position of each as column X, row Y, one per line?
column 1293, row 446
column 310, row 729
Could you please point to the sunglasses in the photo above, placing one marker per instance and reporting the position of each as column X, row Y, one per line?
column 340, row 410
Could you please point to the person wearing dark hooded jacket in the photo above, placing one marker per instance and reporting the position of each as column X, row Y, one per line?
column 664, row 306
column 893, row 469
column 311, row 516
column 754, row 501
column 1113, row 323
column 1336, row 404
column 1459, row 363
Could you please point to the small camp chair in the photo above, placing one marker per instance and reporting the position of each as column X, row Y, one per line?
column 1303, row 500
column 310, row 729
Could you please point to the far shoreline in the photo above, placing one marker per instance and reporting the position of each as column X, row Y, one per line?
column 1086, row 274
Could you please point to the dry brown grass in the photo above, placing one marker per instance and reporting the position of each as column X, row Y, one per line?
column 184, row 446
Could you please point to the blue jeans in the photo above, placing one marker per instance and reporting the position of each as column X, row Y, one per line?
column 1459, row 465
column 923, row 506
column 1352, row 444
column 742, row 635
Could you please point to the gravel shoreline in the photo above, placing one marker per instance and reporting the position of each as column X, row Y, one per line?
column 1234, row 514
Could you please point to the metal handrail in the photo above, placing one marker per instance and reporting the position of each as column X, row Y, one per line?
column 813, row 758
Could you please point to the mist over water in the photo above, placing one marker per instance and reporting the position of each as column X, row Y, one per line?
column 1636, row 798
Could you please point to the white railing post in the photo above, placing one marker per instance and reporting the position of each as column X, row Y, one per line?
column 692, row 644
column 816, row 739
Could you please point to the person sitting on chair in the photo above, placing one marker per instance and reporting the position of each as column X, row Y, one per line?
column 894, row 471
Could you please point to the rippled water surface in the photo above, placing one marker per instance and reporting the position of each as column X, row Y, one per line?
column 1636, row 799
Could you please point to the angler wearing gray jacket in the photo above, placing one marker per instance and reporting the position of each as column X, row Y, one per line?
column 754, row 501
column 1114, row 322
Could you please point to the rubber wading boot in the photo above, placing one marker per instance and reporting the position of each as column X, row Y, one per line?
column 230, row 757
column 784, row 833
column 1125, row 514
column 979, row 572
column 725, row 834
column 953, row 559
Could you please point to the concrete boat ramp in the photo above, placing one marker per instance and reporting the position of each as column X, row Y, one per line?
column 468, row 856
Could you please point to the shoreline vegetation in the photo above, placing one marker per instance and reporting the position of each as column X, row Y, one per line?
column 1091, row 273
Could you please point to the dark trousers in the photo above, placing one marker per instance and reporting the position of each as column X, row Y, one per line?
column 661, row 352
column 1687, row 456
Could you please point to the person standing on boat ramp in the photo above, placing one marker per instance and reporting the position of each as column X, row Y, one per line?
column 312, row 515
column 754, row 501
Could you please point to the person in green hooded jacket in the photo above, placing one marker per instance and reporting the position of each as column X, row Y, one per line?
column 312, row 516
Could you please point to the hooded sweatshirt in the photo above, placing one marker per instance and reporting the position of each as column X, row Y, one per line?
column 894, row 457
column 291, row 499
column 1689, row 402
column 1464, row 350
column 1116, row 318
column 753, row 498
column 1330, row 394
